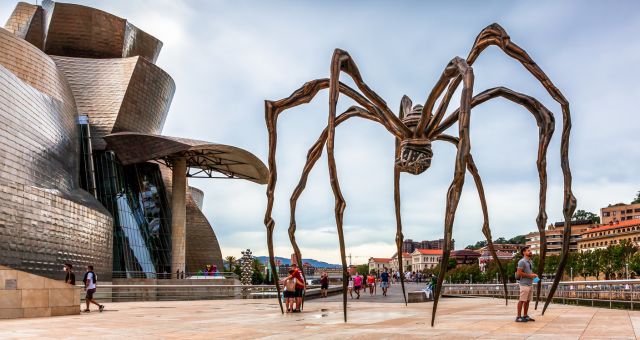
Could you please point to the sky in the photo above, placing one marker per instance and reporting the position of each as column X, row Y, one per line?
column 227, row 57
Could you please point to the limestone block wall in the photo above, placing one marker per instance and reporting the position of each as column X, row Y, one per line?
column 24, row 295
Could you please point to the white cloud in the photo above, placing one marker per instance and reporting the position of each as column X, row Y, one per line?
column 228, row 57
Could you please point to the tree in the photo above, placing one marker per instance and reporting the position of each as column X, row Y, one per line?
column 634, row 264
column 520, row 239
column 478, row 245
column 363, row 269
column 637, row 199
column 582, row 215
column 231, row 261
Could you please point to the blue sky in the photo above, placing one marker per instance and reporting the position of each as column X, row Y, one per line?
column 227, row 57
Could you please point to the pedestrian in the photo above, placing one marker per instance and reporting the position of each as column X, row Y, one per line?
column 357, row 284
column 300, row 285
column 324, row 284
column 289, row 291
column 70, row 278
column 350, row 286
column 384, row 282
column 526, row 276
column 90, row 279
column 371, row 282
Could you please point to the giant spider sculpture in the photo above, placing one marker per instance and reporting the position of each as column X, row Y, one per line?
column 414, row 129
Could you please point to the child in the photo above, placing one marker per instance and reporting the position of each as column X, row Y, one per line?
column 350, row 286
column 289, row 291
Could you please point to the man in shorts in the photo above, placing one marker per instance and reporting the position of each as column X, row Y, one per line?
column 90, row 280
column 384, row 282
column 357, row 284
column 324, row 284
column 526, row 275
column 300, row 284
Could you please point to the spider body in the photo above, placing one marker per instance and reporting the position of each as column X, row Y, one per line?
column 415, row 128
column 415, row 153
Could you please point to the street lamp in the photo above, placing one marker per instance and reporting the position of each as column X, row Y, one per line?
column 626, row 267
column 571, row 273
column 497, row 281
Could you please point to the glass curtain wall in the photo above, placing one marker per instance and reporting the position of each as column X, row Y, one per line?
column 136, row 197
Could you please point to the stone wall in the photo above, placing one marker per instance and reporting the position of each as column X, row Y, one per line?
column 24, row 295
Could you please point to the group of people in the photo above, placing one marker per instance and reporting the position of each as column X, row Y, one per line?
column 89, row 280
column 294, row 286
column 357, row 283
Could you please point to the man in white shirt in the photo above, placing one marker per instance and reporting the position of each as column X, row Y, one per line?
column 90, row 279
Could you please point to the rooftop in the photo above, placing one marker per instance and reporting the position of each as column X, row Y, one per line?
column 429, row 251
column 616, row 225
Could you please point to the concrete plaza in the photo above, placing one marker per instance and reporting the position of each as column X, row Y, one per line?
column 369, row 318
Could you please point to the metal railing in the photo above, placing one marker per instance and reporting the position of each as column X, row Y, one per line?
column 605, row 293
column 182, row 275
column 178, row 292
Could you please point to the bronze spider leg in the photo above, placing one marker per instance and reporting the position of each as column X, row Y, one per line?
column 342, row 61
column 312, row 157
column 405, row 106
column 455, row 67
column 546, row 126
column 471, row 167
column 272, row 110
column 494, row 34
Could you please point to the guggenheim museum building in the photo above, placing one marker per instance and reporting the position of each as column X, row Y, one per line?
column 86, row 176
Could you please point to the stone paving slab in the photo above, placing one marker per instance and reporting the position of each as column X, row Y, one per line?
column 458, row 318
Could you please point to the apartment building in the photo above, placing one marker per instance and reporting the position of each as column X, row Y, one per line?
column 620, row 212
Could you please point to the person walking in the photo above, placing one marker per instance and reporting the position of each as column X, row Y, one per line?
column 384, row 282
column 90, row 279
column 324, row 284
column 350, row 286
column 371, row 282
column 526, row 276
column 70, row 277
column 357, row 284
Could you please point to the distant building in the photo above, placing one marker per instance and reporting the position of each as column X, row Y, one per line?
column 465, row 256
column 425, row 259
column 510, row 248
column 620, row 212
column 610, row 234
column 408, row 246
column 406, row 262
column 378, row 264
column 554, row 235
column 486, row 258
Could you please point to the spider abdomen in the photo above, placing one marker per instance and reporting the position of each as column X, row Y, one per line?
column 415, row 156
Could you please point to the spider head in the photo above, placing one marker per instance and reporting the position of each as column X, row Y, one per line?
column 415, row 156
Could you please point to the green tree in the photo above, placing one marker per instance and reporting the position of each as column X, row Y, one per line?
column 581, row 215
column 634, row 264
column 478, row 245
column 231, row 261
column 520, row 239
column 551, row 263
column 637, row 199
column 362, row 269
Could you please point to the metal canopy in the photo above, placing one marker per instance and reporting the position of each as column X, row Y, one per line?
column 204, row 159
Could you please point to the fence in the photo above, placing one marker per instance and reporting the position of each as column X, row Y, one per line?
column 181, row 275
column 179, row 292
column 611, row 293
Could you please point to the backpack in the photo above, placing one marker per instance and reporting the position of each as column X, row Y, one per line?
column 95, row 277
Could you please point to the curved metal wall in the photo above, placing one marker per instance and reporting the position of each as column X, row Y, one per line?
column 46, row 220
column 80, row 31
column 125, row 94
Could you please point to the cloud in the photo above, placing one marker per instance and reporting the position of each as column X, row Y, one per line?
column 228, row 57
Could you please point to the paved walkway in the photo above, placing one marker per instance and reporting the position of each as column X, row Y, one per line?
column 369, row 318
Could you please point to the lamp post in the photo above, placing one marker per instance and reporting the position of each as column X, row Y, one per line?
column 571, row 273
column 497, row 281
column 626, row 269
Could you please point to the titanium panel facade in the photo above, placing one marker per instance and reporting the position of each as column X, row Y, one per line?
column 45, row 219
column 80, row 31
column 126, row 94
